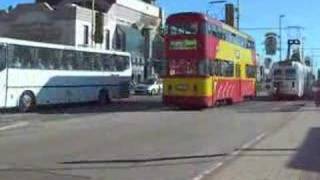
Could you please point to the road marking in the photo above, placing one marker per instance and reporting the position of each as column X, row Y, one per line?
column 232, row 156
column 14, row 126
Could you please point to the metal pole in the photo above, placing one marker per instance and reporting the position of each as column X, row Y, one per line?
column 238, row 14
column 93, row 14
column 280, row 37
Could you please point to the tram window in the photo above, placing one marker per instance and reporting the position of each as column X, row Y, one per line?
column 251, row 71
column 228, row 69
column 291, row 72
column 224, row 68
column 184, row 29
column 212, row 30
column 250, row 44
column 277, row 72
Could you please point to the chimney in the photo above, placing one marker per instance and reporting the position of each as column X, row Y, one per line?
column 230, row 14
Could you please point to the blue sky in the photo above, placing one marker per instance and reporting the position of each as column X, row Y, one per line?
column 262, row 13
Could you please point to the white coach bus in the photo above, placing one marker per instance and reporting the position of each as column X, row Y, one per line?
column 33, row 73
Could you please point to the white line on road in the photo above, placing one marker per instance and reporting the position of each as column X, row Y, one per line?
column 232, row 156
column 14, row 126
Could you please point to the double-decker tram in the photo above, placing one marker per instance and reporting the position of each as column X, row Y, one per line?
column 33, row 73
column 207, row 62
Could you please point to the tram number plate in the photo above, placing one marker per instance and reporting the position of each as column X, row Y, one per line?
column 182, row 87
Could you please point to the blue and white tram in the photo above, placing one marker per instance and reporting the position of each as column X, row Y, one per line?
column 291, row 79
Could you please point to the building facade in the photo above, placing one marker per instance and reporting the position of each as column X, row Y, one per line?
column 124, row 25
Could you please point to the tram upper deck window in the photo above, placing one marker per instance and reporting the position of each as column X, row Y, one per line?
column 185, row 28
column 277, row 72
column 291, row 72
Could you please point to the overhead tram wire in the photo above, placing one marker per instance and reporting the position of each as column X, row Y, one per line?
column 263, row 28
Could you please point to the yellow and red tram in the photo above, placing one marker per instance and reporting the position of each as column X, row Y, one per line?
column 207, row 62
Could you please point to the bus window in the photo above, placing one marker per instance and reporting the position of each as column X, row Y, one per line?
column 122, row 63
column 23, row 57
column 68, row 59
column 97, row 64
column 2, row 57
column 87, row 61
column 108, row 62
column 44, row 56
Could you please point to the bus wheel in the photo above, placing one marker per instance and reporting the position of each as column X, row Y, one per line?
column 27, row 102
column 104, row 97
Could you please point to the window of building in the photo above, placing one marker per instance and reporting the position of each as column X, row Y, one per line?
column 85, row 34
column 119, row 40
column 107, row 39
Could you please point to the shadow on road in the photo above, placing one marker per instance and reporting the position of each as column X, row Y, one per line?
column 122, row 164
column 135, row 104
column 308, row 156
column 273, row 108
column 145, row 160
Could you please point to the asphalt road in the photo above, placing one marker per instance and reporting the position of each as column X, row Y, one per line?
column 136, row 139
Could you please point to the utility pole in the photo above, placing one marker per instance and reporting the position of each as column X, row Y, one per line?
column 93, row 22
column 280, row 36
column 238, row 14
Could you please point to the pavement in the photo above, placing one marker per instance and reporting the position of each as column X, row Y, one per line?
column 291, row 152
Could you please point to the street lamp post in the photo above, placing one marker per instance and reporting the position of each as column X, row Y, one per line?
column 280, row 36
column 93, row 19
column 238, row 14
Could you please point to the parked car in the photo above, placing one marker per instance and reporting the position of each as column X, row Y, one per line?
column 150, row 87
